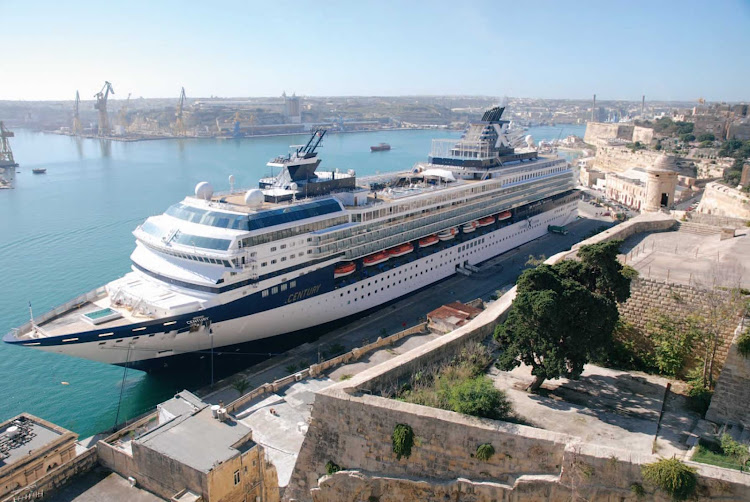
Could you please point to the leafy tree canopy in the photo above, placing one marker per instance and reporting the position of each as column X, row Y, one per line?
column 564, row 313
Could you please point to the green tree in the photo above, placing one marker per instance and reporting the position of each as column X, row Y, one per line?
column 673, row 340
column 599, row 270
column 555, row 324
column 706, row 136
column 240, row 385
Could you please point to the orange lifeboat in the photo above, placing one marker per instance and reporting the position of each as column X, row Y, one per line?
column 375, row 258
column 503, row 216
column 489, row 220
column 447, row 235
column 428, row 241
column 401, row 250
column 344, row 269
column 469, row 227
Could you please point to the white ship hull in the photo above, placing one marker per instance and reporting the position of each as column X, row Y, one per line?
column 337, row 304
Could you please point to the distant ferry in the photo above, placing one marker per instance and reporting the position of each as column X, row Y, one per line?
column 381, row 147
column 309, row 247
column 39, row 170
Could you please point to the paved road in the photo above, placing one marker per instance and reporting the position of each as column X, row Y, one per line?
column 500, row 273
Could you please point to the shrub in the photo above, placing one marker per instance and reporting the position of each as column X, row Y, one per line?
column 403, row 440
column 637, row 490
column 332, row 468
column 732, row 448
column 700, row 396
column 290, row 368
column 672, row 476
column 485, row 452
column 477, row 397
column 743, row 344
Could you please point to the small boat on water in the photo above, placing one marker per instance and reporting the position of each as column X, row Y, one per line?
column 39, row 170
column 428, row 241
column 447, row 235
column 469, row 227
column 375, row 258
column 503, row 216
column 382, row 147
column 489, row 220
column 400, row 250
column 344, row 269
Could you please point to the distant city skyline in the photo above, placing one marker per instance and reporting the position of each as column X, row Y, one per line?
column 667, row 50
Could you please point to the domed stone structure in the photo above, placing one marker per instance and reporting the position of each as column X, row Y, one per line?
column 661, row 184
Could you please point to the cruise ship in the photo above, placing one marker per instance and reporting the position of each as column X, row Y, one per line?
column 309, row 247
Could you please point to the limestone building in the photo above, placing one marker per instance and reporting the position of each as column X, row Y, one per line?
column 645, row 189
column 192, row 451
column 29, row 448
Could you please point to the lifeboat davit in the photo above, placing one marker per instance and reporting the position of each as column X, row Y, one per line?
column 503, row 216
column 375, row 258
column 344, row 269
column 428, row 241
column 447, row 235
column 489, row 220
column 469, row 227
column 400, row 250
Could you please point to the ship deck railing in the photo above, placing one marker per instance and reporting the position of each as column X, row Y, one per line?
column 34, row 325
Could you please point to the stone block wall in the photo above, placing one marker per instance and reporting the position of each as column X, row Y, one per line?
column 57, row 478
column 721, row 200
column 529, row 464
column 731, row 401
column 650, row 298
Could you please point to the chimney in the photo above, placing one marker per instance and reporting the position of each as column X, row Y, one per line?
column 593, row 107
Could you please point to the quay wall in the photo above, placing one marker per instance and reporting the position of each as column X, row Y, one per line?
column 52, row 481
column 731, row 401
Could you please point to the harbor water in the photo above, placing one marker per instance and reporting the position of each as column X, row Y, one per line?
column 69, row 231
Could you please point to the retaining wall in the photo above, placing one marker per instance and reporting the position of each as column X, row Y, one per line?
column 731, row 401
column 651, row 298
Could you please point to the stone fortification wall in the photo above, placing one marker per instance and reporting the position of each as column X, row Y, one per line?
column 643, row 134
column 598, row 133
column 618, row 158
column 650, row 298
column 716, row 221
column 721, row 200
column 352, row 427
column 594, row 475
column 55, row 479
column 731, row 401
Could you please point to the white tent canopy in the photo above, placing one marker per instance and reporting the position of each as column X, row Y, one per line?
column 439, row 173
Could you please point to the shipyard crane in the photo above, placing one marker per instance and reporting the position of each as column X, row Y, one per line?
column 179, row 125
column 122, row 116
column 6, row 154
column 101, row 105
column 76, row 118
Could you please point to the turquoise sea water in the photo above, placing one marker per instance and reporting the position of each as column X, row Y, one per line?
column 69, row 231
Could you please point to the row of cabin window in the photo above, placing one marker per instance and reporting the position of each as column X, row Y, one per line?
column 214, row 261
column 283, row 258
column 282, row 287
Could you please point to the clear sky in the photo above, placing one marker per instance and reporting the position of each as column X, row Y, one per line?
column 676, row 50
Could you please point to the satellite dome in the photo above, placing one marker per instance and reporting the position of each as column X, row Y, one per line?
column 231, row 179
column 350, row 172
column 254, row 198
column 204, row 190
column 293, row 186
column 529, row 141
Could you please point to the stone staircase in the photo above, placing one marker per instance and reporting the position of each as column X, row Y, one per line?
column 697, row 228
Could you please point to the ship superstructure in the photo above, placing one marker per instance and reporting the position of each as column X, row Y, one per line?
column 308, row 247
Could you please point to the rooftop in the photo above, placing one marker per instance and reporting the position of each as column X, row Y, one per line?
column 195, row 438
column 31, row 434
